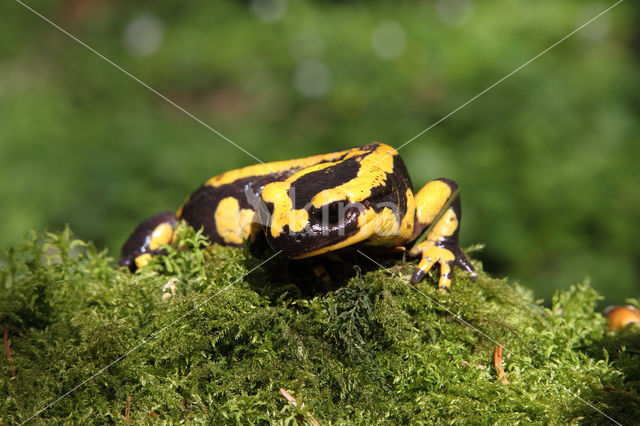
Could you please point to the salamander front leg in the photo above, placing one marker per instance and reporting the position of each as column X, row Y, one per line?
column 441, row 243
column 145, row 240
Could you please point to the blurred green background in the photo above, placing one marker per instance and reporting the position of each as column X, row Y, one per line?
column 547, row 161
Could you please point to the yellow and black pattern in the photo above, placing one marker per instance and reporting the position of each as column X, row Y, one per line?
column 316, row 205
column 338, row 204
column 146, row 239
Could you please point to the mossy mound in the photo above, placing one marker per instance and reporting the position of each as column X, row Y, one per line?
column 92, row 344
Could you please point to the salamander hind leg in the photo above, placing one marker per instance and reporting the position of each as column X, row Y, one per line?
column 145, row 240
column 441, row 243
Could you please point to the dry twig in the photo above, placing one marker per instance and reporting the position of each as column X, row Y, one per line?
column 612, row 389
column 497, row 362
column 6, row 348
column 293, row 402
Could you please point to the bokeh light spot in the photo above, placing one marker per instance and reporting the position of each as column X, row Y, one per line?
column 312, row 78
column 143, row 35
column 269, row 10
column 454, row 12
column 388, row 40
column 596, row 30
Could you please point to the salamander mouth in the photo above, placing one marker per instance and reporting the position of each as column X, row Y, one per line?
column 322, row 230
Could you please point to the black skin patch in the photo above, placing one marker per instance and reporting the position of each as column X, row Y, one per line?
column 401, row 182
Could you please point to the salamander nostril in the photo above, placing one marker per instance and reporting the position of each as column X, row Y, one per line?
column 299, row 238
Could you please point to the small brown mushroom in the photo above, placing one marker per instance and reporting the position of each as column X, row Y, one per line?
column 619, row 316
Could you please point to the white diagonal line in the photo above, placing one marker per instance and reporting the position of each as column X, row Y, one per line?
column 476, row 329
column 501, row 80
column 510, row 74
column 145, row 341
column 145, row 85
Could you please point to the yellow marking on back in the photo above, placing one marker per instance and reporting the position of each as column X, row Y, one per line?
column 233, row 224
column 161, row 235
column 278, row 193
column 373, row 171
column 276, row 166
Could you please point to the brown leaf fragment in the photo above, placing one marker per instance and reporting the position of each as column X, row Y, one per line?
column 497, row 362
column 127, row 410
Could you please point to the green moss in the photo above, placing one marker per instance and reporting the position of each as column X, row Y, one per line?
column 367, row 348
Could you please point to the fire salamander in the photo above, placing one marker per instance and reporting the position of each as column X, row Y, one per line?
column 316, row 205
